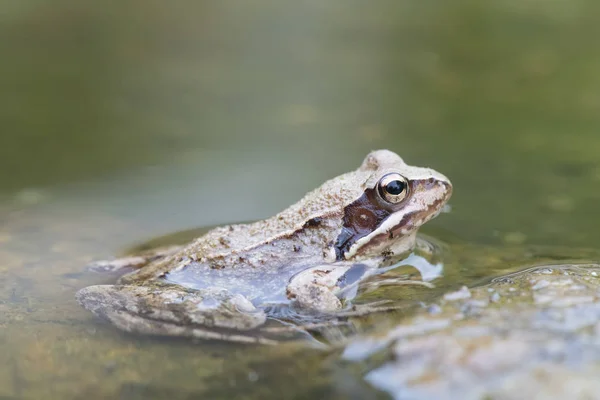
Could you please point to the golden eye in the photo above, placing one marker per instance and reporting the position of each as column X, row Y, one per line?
column 393, row 188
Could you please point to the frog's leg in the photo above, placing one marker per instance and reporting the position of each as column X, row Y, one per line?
column 127, row 264
column 317, row 288
column 170, row 310
column 325, row 288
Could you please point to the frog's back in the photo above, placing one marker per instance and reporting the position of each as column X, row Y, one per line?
column 323, row 203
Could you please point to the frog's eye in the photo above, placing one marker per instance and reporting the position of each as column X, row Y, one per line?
column 393, row 188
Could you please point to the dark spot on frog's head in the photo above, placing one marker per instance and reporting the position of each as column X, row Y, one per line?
column 313, row 222
column 360, row 218
column 297, row 248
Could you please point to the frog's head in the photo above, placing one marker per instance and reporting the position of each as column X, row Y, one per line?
column 396, row 200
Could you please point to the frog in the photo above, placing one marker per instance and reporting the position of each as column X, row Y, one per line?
column 305, row 261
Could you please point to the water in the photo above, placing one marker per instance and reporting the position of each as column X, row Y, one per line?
column 123, row 122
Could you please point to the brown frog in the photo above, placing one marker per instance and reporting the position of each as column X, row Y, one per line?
column 225, row 284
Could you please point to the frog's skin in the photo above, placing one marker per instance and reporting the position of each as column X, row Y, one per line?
column 223, row 284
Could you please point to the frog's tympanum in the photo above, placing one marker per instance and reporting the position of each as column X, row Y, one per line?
column 226, row 284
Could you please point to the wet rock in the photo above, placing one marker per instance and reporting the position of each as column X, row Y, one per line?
column 535, row 335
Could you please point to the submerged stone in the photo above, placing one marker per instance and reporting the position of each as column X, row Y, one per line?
column 515, row 347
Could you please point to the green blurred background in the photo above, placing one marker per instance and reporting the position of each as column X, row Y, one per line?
column 191, row 113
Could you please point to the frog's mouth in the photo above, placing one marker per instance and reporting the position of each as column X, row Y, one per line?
column 370, row 227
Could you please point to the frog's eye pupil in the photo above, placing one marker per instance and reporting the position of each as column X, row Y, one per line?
column 395, row 187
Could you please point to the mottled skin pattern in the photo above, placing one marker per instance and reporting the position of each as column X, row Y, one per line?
column 219, row 283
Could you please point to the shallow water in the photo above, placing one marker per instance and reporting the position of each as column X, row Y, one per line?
column 126, row 122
